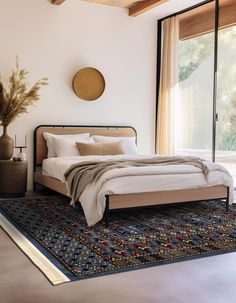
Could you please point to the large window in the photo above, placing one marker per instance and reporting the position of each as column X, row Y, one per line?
column 226, row 100
column 194, row 108
column 194, row 112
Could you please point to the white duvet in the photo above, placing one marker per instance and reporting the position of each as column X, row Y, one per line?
column 136, row 179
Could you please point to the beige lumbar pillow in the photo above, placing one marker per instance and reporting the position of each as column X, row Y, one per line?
column 100, row 149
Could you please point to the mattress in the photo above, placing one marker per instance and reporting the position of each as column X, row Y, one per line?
column 148, row 179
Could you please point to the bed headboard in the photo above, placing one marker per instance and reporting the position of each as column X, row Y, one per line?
column 40, row 146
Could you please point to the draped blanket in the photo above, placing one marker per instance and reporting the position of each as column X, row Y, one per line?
column 81, row 174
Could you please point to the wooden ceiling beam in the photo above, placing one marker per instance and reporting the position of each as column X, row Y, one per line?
column 57, row 2
column 144, row 6
column 202, row 20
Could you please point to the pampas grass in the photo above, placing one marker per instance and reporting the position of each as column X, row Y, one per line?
column 15, row 100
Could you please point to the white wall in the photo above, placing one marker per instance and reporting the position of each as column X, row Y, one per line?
column 57, row 41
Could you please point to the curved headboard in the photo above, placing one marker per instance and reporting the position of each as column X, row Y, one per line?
column 40, row 146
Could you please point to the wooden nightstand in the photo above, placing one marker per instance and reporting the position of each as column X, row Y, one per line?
column 13, row 178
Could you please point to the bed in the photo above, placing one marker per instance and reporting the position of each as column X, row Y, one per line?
column 215, row 190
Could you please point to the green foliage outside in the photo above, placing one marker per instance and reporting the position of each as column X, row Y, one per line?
column 192, row 53
column 196, row 75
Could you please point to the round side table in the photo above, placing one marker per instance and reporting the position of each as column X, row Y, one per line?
column 13, row 178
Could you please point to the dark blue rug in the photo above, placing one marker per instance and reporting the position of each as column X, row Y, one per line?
column 136, row 238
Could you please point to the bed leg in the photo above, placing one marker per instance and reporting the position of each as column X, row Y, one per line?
column 107, row 212
column 227, row 200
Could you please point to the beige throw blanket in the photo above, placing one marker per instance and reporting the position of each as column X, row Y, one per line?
column 79, row 175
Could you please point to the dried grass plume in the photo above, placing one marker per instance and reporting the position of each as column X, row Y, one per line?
column 15, row 100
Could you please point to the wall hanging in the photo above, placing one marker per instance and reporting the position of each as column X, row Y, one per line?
column 88, row 84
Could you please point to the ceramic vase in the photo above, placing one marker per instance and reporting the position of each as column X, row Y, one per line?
column 6, row 145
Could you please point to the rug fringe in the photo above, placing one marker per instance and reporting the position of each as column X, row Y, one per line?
column 54, row 275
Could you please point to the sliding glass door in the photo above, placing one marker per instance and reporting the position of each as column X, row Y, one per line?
column 203, row 109
column 194, row 110
column 226, row 89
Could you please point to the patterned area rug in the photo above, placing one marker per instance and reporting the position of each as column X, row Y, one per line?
column 56, row 238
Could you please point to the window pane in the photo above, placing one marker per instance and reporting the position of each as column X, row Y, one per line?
column 194, row 109
column 226, row 100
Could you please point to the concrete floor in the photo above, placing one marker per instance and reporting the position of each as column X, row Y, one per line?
column 206, row 280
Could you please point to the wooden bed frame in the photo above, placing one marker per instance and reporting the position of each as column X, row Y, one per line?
column 123, row 200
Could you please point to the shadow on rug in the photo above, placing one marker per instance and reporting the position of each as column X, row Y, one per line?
column 55, row 236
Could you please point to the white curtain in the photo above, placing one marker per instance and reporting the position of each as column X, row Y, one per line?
column 168, row 91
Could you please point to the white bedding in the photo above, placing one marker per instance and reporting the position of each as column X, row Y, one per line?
column 125, row 180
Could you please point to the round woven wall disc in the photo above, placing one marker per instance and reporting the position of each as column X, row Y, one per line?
column 88, row 84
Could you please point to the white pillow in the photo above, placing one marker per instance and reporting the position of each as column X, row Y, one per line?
column 48, row 137
column 129, row 143
column 66, row 147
